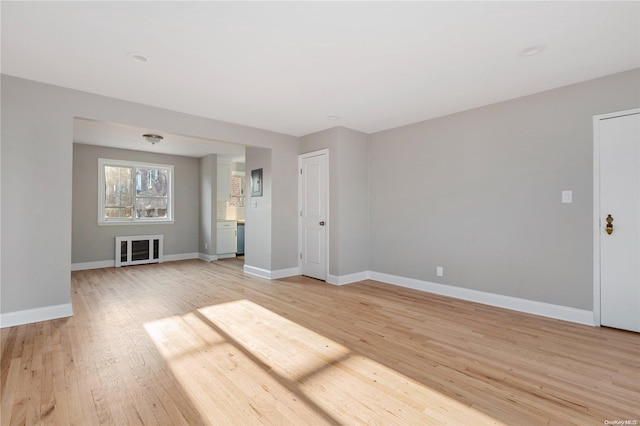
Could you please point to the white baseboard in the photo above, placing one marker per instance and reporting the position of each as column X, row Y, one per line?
column 271, row 275
column 29, row 316
column 549, row 310
column 564, row 313
column 348, row 279
column 207, row 257
column 112, row 263
column 181, row 256
column 93, row 265
column 226, row 256
column 257, row 271
column 284, row 273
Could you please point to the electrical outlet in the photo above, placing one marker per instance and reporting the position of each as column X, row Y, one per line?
column 439, row 271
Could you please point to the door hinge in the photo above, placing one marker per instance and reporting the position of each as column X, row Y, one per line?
column 300, row 256
column 300, row 171
column 300, row 213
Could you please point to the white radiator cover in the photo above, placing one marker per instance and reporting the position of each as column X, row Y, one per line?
column 139, row 249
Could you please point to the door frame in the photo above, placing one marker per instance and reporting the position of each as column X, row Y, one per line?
column 597, row 119
column 324, row 152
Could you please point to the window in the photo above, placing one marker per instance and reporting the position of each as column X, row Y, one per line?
column 134, row 192
column 237, row 189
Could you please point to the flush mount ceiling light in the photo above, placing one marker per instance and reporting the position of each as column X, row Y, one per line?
column 332, row 117
column 138, row 57
column 532, row 50
column 154, row 139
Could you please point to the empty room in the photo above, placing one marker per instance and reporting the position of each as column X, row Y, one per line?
column 310, row 213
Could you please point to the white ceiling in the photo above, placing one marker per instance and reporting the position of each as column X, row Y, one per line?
column 286, row 66
column 129, row 137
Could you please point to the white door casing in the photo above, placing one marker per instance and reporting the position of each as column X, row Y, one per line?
column 313, row 212
column 617, row 193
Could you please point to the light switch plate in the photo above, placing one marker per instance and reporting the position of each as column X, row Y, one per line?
column 567, row 196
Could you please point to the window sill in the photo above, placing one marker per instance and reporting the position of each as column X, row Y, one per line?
column 138, row 222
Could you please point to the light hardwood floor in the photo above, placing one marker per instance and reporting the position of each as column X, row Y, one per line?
column 202, row 343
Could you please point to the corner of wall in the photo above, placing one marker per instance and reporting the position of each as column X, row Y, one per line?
column 28, row 316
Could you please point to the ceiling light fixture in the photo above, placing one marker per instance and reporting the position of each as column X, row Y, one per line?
column 332, row 117
column 138, row 57
column 154, row 139
column 532, row 50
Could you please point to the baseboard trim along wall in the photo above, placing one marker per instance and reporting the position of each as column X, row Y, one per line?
column 347, row 279
column 182, row 256
column 167, row 258
column 565, row 313
column 29, row 316
column 207, row 257
column 259, row 272
column 549, row 310
column 284, row 273
column 93, row 265
column 271, row 275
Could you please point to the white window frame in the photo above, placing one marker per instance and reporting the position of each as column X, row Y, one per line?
column 102, row 162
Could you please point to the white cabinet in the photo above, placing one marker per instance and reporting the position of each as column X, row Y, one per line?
column 224, row 182
column 227, row 238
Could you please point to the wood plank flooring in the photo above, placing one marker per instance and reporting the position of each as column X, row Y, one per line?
column 192, row 342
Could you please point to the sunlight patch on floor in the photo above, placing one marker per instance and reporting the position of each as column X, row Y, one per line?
column 240, row 363
column 371, row 392
column 223, row 382
column 292, row 351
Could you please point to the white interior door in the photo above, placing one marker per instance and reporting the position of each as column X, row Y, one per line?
column 313, row 214
column 620, row 200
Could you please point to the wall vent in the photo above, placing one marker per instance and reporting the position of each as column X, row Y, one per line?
column 138, row 250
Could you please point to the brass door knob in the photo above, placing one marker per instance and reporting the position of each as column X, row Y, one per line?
column 609, row 227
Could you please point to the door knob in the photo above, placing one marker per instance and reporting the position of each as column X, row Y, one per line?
column 321, row 223
column 609, row 227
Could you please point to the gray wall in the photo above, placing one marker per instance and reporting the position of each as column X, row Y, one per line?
column 284, row 214
column 353, row 195
column 37, row 137
column 208, row 197
column 258, row 250
column 348, row 197
column 476, row 192
column 91, row 242
column 479, row 193
column 37, row 147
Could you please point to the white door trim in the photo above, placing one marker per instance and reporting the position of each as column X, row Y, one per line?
column 596, row 206
column 328, row 221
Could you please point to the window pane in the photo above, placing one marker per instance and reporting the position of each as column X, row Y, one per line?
column 118, row 192
column 237, row 191
column 118, row 213
column 151, row 182
column 147, row 207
